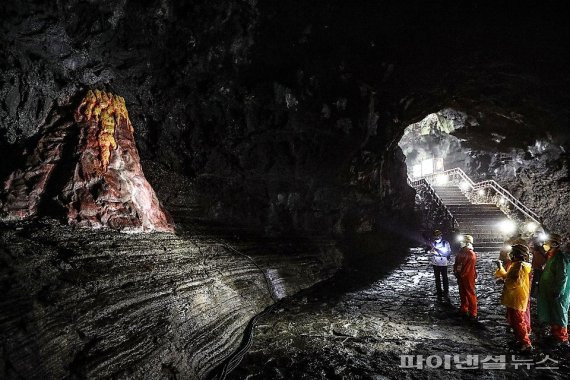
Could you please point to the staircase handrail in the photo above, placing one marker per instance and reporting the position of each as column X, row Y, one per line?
column 510, row 198
column 439, row 201
column 492, row 184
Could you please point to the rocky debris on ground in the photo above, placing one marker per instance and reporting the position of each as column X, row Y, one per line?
column 356, row 326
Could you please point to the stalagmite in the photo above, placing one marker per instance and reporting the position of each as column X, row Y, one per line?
column 91, row 168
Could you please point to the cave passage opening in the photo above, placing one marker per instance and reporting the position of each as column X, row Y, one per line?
column 439, row 148
column 430, row 146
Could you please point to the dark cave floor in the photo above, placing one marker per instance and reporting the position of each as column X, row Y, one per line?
column 358, row 323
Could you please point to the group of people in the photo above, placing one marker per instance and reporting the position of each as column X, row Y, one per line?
column 547, row 276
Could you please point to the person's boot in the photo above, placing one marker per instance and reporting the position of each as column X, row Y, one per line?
column 474, row 320
column 463, row 314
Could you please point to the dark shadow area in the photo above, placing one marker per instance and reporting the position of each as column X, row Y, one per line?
column 368, row 258
column 62, row 174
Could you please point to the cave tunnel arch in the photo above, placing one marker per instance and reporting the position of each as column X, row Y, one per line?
column 516, row 147
column 270, row 131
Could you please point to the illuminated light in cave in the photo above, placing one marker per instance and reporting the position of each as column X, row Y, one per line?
column 531, row 227
column 438, row 164
column 507, row 226
column 442, row 180
column 417, row 171
column 427, row 167
column 464, row 186
column 107, row 111
column 543, row 237
column 481, row 192
column 502, row 201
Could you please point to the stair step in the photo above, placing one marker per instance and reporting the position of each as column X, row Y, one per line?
column 471, row 227
column 471, row 206
column 477, row 219
column 474, row 207
column 479, row 213
column 481, row 219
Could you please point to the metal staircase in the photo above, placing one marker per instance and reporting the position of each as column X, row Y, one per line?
column 478, row 220
column 479, row 209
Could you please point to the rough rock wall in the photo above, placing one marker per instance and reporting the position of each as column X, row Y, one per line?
column 270, row 106
column 100, row 304
column 271, row 143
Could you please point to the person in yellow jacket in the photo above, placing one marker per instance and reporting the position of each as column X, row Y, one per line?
column 516, row 293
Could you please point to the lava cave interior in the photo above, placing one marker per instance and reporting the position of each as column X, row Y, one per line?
column 247, row 189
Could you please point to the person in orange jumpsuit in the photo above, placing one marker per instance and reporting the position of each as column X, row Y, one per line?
column 516, row 293
column 464, row 271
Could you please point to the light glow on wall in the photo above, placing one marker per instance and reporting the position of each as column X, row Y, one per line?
column 531, row 227
column 427, row 167
column 442, row 180
column 417, row 171
column 507, row 226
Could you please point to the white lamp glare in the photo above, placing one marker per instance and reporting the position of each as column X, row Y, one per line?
column 441, row 179
column 531, row 227
column 481, row 192
column 464, row 186
column 507, row 226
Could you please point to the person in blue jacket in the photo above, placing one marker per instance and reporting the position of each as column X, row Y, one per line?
column 440, row 256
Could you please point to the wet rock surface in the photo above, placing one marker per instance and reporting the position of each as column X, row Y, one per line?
column 357, row 324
